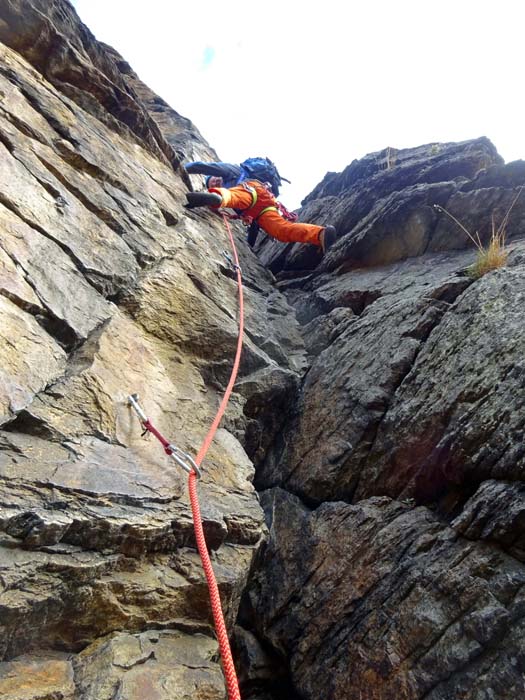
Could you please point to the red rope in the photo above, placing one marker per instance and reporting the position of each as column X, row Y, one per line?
column 218, row 616
column 215, row 599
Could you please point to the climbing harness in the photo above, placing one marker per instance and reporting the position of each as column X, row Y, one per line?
column 288, row 215
column 192, row 466
column 248, row 218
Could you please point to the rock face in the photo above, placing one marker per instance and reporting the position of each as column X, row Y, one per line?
column 378, row 409
column 384, row 600
column 49, row 35
column 108, row 287
column 393, row 495
column 383, row 205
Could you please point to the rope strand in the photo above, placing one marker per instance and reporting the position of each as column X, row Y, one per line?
column 215, row 599
column 193, row 467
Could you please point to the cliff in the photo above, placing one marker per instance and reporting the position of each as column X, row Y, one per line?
column 363, row 499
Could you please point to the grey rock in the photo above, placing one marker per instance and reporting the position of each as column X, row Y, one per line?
column 350, row 385
column 29, row 359
column 381, row 205
column 52, row 38
column 379, row 599
column 381, row 371
column 496, row 513
column 153, row 664
column 109, row 287
column 457, row 415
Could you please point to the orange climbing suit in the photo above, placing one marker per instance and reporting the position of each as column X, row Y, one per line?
column 255, row 202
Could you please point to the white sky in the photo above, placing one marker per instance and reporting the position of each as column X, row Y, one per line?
column 315, row 85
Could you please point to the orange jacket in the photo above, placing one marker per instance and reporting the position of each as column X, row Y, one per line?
column 250, row 197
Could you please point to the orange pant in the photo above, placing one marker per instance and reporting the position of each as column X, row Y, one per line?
column 272, row 222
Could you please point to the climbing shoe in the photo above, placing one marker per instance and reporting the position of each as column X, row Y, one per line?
column 202, row 199
column 327, row 238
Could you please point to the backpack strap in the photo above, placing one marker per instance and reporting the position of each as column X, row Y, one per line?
column 253, row 193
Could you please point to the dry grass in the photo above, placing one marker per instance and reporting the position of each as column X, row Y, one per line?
column 391, row 157
column 388, row 160
column 491, row 257
column 494, row 254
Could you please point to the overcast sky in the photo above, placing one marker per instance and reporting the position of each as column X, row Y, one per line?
column 315, row 85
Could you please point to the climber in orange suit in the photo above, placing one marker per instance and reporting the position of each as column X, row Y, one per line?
column 254, row 201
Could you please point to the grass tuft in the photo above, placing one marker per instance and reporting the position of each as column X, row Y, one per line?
column 493, row 255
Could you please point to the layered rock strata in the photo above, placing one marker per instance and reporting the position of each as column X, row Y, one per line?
column 109, row 286
column 393, row 495
column 378, row 409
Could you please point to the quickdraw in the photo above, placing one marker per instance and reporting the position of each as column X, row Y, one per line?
column 183, row 459
column 231, row 262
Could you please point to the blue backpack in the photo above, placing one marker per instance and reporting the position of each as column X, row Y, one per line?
column 264, row 170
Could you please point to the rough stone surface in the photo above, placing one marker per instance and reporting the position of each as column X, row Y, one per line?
column 38, row 677
column 496, row 513
column 29, row 359
column 351, row 383
column 107, row 287
column 378, row 409
column 50, row 36
column 407, row 583
column 460, row 422
column 383, row 205
column 156, row 665
column 383, row 600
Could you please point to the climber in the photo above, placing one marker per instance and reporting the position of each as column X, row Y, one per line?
column 258, row 205
column 257, row 168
